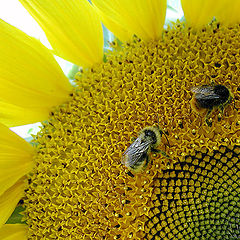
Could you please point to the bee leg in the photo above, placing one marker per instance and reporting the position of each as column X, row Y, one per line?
column 146, row 162
column 159, row 151
column 207, row 118
column 221, row 108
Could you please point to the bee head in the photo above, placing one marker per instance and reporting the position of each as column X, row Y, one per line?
column 229, row 97
column 154, row 133
column 224, row 92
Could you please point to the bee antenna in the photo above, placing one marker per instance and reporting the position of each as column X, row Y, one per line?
column 163, row 133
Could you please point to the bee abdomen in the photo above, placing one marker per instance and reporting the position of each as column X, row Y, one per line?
column 141, row 164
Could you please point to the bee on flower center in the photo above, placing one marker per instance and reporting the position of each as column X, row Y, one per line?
column 208, row 97
column 136, row 157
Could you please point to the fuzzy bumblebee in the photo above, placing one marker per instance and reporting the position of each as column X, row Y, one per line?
column 207, row 97
column 136, row 157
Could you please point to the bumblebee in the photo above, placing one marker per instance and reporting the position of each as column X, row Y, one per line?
column 136, row 157
column 208, row 97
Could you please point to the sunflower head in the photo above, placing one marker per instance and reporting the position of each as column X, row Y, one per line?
column 175, row 196
column 79, row 188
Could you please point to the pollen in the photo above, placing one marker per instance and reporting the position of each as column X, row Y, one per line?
column 80, row 190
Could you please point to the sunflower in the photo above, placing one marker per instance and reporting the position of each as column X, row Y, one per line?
column 70, row 181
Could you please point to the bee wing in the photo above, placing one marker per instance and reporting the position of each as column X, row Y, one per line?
column 201, row 96
column 205, row 92
column 204, row 89
column 135, row 151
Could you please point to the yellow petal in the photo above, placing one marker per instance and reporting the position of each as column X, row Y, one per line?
column 126, row 18
column 9, row 200
column 199, row 12
column 29, row 74
column 12, row 115
column 13, row 232
column 72, row 27
column 15, row 158
column 228, row 11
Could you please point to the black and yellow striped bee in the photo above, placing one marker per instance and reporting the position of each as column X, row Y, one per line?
column 136, row 157
column 210, row 97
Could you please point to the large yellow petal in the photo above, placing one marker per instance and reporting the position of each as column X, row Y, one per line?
column 12, row 115
column 9, row 200
column 30, row 77
column 15, row 158
column 13, row 232
column 199, row 12
column 126, row 18
column 228, row 11
column 72, row 27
